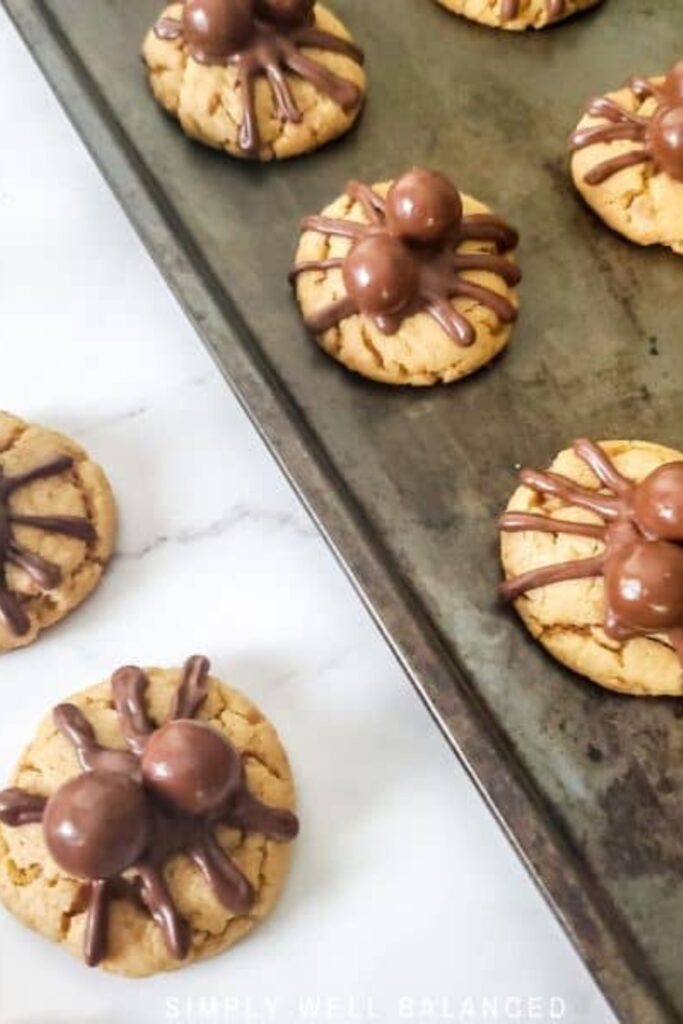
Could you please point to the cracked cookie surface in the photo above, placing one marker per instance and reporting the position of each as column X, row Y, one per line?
column 207, row 99
column 516, row 17
column 638, row 202
column 53, row 903
column 81, row 490
column 567, row 618
column 420, row 352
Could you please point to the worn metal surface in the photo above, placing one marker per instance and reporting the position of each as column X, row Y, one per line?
column 406, row 484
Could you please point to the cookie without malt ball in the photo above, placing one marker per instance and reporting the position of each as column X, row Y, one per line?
column 592, row 552
column 57, row 528
column 148, row 824
column 259, row 79
column 408, row 282
column 517, row 15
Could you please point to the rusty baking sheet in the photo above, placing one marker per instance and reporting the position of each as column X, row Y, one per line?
column 405, row 484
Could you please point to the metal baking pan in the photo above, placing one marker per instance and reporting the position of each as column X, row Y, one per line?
column 406, row 484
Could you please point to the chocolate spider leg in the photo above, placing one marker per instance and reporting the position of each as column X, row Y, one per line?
column 484, row 227
column 168, row 28
column 453, row 322
column 607, row 168
column 603, row 106
column 284, row 99
column 128, row 687
column 321, row 265
column 17, row 807
column 333, row 226
column 597, row 133
column 159, row 902
column 676, row 640
column 520, row 522
column 95, row 934
column 309, row 35
column 494, row 264
column 577, row 569
column 602, row 466
column 643, row 87
column 561, row 487
column 75, row 727
column 71, row 526
column 248, row 131
column 232, row 888
column 9, row 484
column 11, row 609
column 46, row 574
column 193, row 688
column 344, row 92
column 373, row 204
column 330, row 316
column 504, row 310
column 249, row 814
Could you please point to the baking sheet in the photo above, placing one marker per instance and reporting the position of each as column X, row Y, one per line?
column 406, row 484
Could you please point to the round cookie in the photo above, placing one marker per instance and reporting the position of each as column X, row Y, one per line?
column 57, row 528
column 408, row 282
column 517, row 15
column 91, row 767
column 627, row 159
column 260, row 79
column 622, row 625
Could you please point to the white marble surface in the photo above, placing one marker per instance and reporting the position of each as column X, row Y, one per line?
column 405, row 902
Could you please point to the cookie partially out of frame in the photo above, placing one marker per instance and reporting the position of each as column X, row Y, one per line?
column 517, row 15
column 57, row 528
column 207, row 769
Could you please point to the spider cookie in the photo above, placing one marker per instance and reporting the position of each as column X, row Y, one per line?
column 148, row 822
column 57, row 527
column 260, row 79
column 627, row 159
column 517, row 15
column 408, row 282
column 593, row 558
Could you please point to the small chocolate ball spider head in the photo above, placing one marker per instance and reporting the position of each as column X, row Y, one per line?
column 423, row 208
column 215, row 29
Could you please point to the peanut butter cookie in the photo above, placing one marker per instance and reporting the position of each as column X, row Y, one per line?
column 517, row 15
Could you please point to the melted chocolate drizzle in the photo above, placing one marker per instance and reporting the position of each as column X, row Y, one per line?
column 45, row 574
column 168, row 829
column 659, row 135
column 270, row 50
column 642, row 533
column 510, row 9
column 436, row 268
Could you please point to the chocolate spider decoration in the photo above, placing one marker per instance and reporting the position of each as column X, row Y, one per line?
column 45, row 574
column 642, row 530
column 405, row 259
column 116, row 824
column 509, row 9
column 659, row 135
column 263, row 37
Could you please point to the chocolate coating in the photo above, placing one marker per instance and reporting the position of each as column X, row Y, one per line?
column 644, row 585
column 658, row 503
column 288, row 13
column 191, row 767
column 672, row 90
column 215, row 29
column 96, row 825
column 666, row 141
column 380, row 275
column 423, row 207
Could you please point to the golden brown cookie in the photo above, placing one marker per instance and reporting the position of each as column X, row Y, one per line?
column 517, row 15
column 627, row 159
column 57, row 528
column 167, row 793
column 410, row 282
column 620, row 624
column 260, row 79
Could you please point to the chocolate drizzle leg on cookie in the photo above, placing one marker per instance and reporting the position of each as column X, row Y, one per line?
column 407, row 257
column 659, row 134
column 264, row 38
column 509, row 9
column 117, row 823
column 642, row 533
column 43, row 573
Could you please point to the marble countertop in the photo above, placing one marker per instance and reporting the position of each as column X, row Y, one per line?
column 405, row 902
